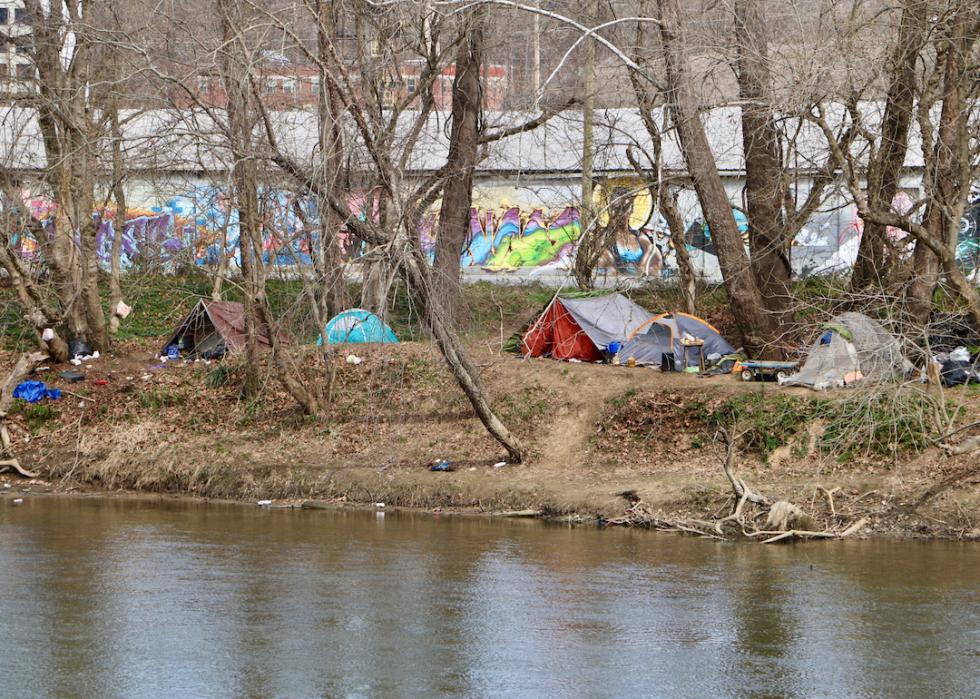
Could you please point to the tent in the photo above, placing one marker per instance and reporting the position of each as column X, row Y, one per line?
column 851, row 347
column 212, row 329
column 358, row 326
column 662, row 335
column 581, row 328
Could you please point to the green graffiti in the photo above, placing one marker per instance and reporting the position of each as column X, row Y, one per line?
column 538, row 248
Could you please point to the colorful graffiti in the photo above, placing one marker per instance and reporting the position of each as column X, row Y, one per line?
column 200, row 227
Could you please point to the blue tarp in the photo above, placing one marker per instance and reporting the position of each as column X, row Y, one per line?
column 356, row 326
column 35, row 391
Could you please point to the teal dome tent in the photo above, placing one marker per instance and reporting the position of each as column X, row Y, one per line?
column 358, row 326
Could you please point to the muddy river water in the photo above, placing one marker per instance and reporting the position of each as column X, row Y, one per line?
column 107, row 598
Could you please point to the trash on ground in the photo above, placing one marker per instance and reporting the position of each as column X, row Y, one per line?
column 442, row 465
column 35, row 391
column 264, row 503
column 71, row 376
column 47, row 335
column 123, row 310
column 353, row 359
column 500, row 464
column 960, row 354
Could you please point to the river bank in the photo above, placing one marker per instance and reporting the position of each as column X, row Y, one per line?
column 601, row 438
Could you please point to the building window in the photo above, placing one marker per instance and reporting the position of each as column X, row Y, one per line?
column 203, row 84
column 4, row 70
column 271, row 85
column 25, row 70
column 289, row 86
column 315, row 86
column 4, row 15
column 411, row 85
column 20, row 15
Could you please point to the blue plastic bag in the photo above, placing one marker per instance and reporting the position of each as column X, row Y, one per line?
column 35, row 391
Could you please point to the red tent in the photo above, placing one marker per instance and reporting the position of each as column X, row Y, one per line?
column 558, row 333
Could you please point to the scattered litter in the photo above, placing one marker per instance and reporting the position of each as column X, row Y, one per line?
column 353, row 359
column 264, row 503
column 78, row 348
column 442, row 465
column 960, row 354
column 500, row 464
column 35, row 391
column 7, row 485
column 39, row 369
column 172, row 352
column 123, row 310
column 101, row 382
column 472, row 468
column 71, row 376
column 18, row 501
column 47, row 335
column 379, row 505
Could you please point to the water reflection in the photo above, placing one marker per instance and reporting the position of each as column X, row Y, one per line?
column 122, row 598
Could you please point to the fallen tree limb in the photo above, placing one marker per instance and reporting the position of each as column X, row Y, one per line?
column 14, row 465
column 965, row 447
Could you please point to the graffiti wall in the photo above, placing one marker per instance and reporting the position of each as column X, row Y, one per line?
column 510, row 228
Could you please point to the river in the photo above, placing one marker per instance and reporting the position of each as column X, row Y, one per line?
column 138, row 598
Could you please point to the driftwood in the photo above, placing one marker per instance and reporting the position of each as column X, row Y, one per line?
column 14, row 465
column 784, row 520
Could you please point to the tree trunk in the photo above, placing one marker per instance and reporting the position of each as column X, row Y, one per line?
column 949, row 189
column 464, row 142
column 466, row 375
column 757, row 327
column 329, row 265
column 685, row 269
column 593, row 241
column 765, row 184
column 119, row 223
column 884, row 171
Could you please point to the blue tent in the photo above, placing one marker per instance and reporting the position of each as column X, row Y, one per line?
column 358, row 326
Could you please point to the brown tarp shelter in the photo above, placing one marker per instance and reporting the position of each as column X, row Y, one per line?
column 213, row 329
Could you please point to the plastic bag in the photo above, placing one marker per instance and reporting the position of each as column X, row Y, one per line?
column 960, row 354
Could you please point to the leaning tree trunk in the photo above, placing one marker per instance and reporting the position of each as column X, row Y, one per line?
column 757, row 327
column 464, row 142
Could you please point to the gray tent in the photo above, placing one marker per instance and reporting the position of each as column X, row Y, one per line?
column 852, row 347
column 661, row 335
column 581, row 328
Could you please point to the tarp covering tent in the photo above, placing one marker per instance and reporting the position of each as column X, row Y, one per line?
column 581, row 328
column 212, row 329
column 851, row 347
column 662, row 335
column 357, row 326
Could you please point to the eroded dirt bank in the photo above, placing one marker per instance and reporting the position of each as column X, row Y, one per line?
column 595, row 433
